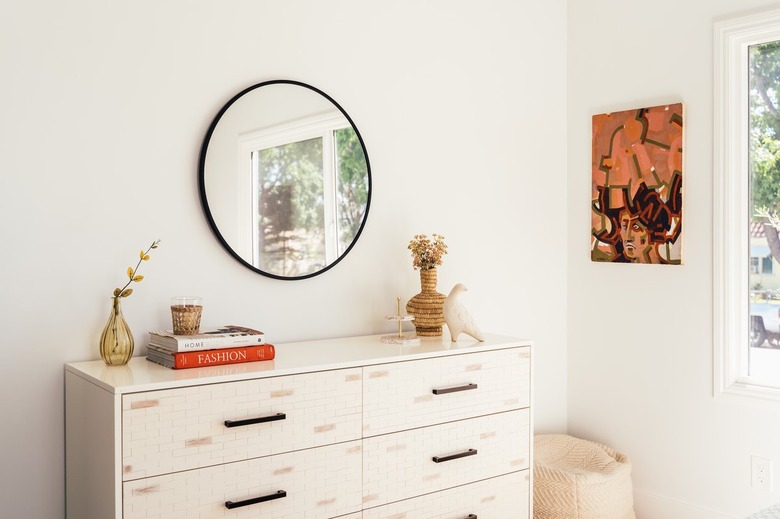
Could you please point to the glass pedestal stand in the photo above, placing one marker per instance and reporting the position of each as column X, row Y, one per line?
column 408, row 338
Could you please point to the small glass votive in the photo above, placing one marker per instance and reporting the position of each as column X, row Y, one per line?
column 185, row 314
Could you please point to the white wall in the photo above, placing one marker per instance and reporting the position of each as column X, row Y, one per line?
column 640, row 339
column 104, row 106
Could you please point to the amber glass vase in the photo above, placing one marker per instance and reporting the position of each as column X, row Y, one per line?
column 427, row 307
column 116, row 341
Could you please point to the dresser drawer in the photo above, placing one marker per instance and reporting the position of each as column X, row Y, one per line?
column 402, row 465
column 503, row 497
column 184, row 428
column 317, row 483
column 418, row 393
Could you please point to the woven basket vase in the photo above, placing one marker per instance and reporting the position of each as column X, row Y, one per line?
column 427, row 307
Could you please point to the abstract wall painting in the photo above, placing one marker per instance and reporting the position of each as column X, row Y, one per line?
column 636, row 201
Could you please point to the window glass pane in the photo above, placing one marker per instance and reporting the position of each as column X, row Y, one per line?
column 764, row 114
column 352, row 186
column 766, row 265
column 290, row 239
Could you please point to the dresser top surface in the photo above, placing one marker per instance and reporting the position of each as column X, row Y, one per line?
column 291, row 358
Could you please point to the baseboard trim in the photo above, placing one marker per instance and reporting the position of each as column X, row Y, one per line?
column 649, row 505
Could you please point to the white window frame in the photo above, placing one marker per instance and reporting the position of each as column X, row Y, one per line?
column 731, row 236
column 322, row 126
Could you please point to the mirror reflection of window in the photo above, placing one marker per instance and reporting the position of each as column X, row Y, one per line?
column 309, row 193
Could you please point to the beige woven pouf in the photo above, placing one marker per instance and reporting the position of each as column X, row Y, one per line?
column 580, row 479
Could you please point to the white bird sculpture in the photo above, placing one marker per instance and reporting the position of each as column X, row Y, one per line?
column 458, row 318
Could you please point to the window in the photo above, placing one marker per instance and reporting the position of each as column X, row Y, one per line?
column 766, row 266
column 303, row 194
column 746, row 311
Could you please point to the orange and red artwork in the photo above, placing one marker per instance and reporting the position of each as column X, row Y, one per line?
column 636, row 199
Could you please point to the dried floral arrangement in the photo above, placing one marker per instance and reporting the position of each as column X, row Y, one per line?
column 427, row 253
column 132, row 273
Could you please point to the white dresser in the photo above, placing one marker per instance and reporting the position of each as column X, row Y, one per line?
column 350, row 428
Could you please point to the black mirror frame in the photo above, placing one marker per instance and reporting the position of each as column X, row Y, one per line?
column 202, row 179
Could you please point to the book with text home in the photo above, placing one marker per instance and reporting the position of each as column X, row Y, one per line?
column 225, row 337
column 216, row 357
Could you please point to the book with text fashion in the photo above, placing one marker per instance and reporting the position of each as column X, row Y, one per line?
column 225, row 337
column 199, row 359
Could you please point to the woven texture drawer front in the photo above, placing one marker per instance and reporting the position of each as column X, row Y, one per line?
column 400, row 465
column 504, row 497
column 319, row 483
column 401, row 395
column 184, row 428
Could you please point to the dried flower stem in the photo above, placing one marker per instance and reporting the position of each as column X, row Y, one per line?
column 131, row 272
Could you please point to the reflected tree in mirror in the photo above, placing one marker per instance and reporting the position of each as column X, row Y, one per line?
column 290, row 219
column 352, row 186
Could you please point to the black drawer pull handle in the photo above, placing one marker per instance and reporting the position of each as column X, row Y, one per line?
column 440, row 459
column 471, row 516
column 454, row 389
column 250, row 421
column 235, row 504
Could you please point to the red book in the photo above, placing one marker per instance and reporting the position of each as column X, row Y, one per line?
column 198, row 359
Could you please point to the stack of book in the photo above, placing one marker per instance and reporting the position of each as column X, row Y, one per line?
column 226, row 345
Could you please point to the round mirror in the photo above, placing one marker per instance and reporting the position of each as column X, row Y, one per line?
column 284, row 179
